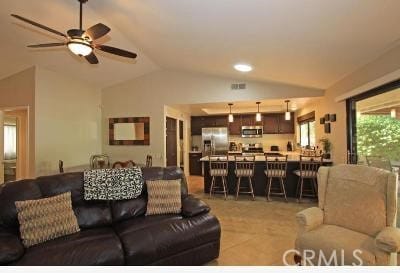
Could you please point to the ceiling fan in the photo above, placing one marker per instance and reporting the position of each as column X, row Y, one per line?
column 81, row 42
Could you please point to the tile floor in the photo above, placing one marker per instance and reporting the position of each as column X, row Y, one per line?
column 253, row 232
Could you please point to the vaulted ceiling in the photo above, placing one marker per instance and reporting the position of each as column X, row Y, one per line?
column 304, row 42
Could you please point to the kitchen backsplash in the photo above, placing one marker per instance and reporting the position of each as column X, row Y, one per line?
column 267, row 141
column 280, row 140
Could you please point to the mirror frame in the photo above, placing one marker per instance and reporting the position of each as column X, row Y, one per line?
column 144, row 120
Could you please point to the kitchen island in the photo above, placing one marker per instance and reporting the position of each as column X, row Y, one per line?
column 260, row 179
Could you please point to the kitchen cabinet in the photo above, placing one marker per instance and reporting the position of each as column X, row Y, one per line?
column 286, row 126
column 235, row 127
column 195, row 163
column 197, row 123
column 271, row 123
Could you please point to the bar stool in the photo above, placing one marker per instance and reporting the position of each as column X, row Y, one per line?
column 309, row 166
column 218, row 168
column 276, row 168
column 244, row 167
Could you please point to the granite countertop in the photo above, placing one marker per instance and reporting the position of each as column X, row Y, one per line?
column 292, row 157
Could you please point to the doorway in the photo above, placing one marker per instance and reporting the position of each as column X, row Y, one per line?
column 14, row 148
column 374, row 127
column 171, row 142
column 181, row 146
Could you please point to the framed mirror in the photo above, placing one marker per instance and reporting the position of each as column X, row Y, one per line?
column 129, row 131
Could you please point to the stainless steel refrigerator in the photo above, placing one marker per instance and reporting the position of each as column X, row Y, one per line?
column 215, row 141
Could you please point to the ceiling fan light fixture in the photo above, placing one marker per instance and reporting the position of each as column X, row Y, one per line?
column 80, row 47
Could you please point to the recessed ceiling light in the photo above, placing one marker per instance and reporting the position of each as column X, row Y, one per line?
column 243, row 67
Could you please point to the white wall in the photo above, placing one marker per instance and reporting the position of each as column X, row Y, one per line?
column 147, row 96
column 18, row 92
column 361, row 80
column 68, row 122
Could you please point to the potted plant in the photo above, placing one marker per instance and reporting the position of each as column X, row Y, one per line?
column 326, row 147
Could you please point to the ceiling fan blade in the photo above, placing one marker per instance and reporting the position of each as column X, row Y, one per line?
column 46, row 45
column 116, row 51
column 92, row 59
column 39, row 25
column 97, row 31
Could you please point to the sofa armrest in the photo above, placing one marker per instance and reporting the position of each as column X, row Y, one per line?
column 11, row 248
column 192, row 206
column 388, row 240
column 310, row 219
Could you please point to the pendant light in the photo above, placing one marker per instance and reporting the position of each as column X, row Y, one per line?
column 230, row 116
column 287, row 113
column 258, row 115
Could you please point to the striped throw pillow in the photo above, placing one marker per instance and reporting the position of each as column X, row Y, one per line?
column 164, row 196
column 45, row 219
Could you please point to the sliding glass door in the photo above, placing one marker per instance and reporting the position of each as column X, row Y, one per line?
column 374, row 127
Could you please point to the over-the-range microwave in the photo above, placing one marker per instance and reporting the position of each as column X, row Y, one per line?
column 252, row 131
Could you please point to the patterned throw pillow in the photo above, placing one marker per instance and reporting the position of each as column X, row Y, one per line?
column 164, row 196
column 113, row 184
column 45, row 219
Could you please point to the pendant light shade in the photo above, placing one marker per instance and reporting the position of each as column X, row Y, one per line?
column 258, row 115
column 287, row 113
column 230, row 116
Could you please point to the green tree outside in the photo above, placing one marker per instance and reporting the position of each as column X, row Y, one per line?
column 378, row 135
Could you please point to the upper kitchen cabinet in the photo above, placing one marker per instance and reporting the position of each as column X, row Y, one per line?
column 220, row 121
column 270, row 123
column 235, row 127
column 286, row 126
column 250, row 120
column 197, row 123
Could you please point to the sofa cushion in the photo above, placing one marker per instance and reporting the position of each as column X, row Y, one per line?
column 15, row 191
column 45, row 219
column 98, row 246
column 150, row 238
column 163, row 196
column 126, row 209
column 89, row 213
column 330, row 238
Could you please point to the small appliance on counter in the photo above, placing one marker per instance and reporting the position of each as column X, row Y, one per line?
column 233, row 147
column 274, row 148
column 252, row 149
column 289, row 146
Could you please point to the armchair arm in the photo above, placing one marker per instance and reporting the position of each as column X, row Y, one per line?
column 11, row 248
column 388, row 240
column 310, row 219
column 192, row 206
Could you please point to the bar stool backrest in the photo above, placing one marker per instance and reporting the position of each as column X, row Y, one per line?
column 244, row 165
column 309, row 165
column 244, row 162
column 276, row 165
column 218, row 163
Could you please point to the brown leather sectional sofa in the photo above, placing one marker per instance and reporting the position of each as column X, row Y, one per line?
column 112, row 232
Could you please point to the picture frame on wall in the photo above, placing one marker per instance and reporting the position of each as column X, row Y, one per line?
column 322, row 121
column 327, row 117
column 327, row 128
column 333, row 117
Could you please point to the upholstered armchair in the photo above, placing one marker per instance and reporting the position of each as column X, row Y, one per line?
column 354, row 223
